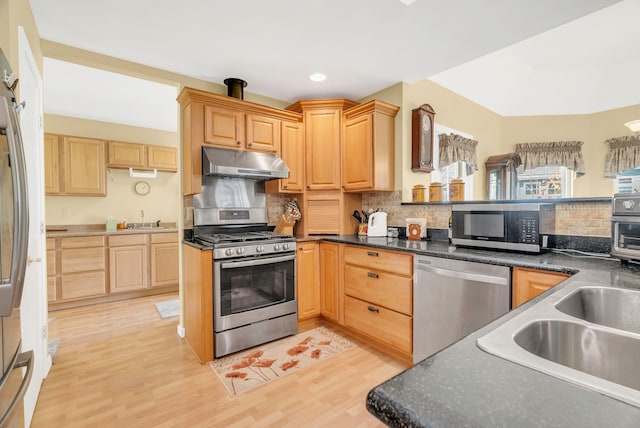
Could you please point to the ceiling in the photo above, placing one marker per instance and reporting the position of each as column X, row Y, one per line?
column 512, row 56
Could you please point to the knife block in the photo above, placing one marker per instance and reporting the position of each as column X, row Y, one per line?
column 284, row 227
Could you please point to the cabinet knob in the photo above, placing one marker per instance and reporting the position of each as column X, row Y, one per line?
column 238, row 143
column 373, row 309
column 250, row 144
column 285, row 186
column 308, row 187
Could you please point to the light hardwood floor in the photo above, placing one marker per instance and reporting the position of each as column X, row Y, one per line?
column 119, row 364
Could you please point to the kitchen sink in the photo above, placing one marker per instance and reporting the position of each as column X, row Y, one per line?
column 583, row 333
column 612, row 307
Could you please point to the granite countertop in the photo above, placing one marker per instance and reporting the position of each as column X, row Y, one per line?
column 73, row 230
column 463, row 386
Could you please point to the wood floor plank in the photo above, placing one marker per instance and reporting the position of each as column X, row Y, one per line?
column 120, row 365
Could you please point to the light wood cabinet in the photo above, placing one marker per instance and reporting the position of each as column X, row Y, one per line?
column 378, row 289
column 82, row 271
column 164, row 259
column 127, row 263
column 322, row 129
column 142, row 156
column 528, row 283
column 74, row 166
column 52, row 270
column 198, row 301
column 292, row 152
column 331, row 280
column 51, row 164
column 218, row 120
column 308, row 280
column 328, row 213
column 368, row 147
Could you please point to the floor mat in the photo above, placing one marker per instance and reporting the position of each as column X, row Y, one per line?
column 168, row 309
column 257, row 366
column 53, row 348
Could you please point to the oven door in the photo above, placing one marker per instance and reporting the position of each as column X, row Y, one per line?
column 626, row 237
column 253, row 290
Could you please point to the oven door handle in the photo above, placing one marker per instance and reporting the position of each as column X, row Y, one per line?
column 257, row 262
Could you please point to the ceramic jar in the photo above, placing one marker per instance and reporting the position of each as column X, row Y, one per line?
column 418, row 193
column 435, row 192
column 456, row 190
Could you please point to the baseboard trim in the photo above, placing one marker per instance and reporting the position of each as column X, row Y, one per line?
column 181, row 331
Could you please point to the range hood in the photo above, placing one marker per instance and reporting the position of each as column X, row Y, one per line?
column 243, row 164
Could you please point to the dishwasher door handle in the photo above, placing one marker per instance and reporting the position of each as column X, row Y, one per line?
column 465, row 275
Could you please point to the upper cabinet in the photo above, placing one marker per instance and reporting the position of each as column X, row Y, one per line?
column 368, row 147
column 323, row 125
column 219, row 120
column 74, row 166
column 142, row 156
column 292, row 152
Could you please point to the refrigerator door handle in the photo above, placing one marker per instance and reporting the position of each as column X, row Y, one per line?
column 24, row 360
column 11, row 292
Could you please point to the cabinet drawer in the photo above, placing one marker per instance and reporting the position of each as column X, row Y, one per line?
column 82, row 242
column 399, row 263
column 164, row 238
column 82, row 285
column 381, row 288
column 387, row 326
column 124, row 240
column 82, row 260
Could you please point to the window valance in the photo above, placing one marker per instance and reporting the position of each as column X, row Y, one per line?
column 454, row 148
column 557, row 153
column 623, row 154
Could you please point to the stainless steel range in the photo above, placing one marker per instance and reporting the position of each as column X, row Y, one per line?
column 254, row 270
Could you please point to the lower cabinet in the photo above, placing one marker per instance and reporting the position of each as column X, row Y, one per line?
column 308, row 280
column 331, row 290
column 92, row 269
column 528, row 283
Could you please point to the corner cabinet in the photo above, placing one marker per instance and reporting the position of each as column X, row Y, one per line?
column 368, row 147
column 74, row 166
column 528, row 283
column 222, row 121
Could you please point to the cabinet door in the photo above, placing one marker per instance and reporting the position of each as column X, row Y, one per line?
column 528, row 283
column 322, row 212
column 83, row 285
column 128, row 268
column 357, row 153
column 164, row 264
column 127, row 155
column 308, row 280
column 322, row 147
column 292, row 150
column 223, row 127
column 162, row 158
column 331, row 290
column 84, row 167
column 263, row 133
column 51, row 164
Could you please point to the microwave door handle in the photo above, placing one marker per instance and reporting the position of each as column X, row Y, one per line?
column 11, row 292
column 257, row 262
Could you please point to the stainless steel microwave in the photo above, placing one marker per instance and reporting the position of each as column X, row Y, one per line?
column 508, row 226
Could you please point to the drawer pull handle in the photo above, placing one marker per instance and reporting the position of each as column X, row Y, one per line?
column 372, row 275
column 372, row 254
column 373, row 309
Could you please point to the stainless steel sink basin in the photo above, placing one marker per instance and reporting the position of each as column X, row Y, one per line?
column 612, row 307
column 600, row 353
column 583, row 333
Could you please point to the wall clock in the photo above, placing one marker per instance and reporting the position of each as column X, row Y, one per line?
column 422, row 138
column 142, row 188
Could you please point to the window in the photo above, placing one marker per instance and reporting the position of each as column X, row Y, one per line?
column 547, row 182
column 447, row 173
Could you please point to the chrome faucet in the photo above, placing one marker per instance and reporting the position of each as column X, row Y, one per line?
column 142, row 215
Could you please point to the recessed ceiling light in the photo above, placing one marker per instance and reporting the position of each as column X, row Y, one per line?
column 407, row 2
column 317, row 77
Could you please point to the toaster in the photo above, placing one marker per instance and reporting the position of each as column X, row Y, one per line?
column 377, row 224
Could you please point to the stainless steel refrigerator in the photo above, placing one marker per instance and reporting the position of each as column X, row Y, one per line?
column 17, row 366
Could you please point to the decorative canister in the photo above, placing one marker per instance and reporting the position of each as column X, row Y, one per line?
column 435, row 192
column 456, row 190
column 418, row 193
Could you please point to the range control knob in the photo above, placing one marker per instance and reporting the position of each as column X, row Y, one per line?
column 259, row 249
column 628, row 204
column 240, row 251
column 228, row 252
column 276, row 247
column 285, row 246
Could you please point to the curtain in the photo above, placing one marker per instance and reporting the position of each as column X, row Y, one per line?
column 454, row 148
column 623, row 154
column 560, row 153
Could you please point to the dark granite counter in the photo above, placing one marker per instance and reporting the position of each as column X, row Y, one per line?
column 463, row 386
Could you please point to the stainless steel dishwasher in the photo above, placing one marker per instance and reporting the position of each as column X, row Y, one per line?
column 452, row 298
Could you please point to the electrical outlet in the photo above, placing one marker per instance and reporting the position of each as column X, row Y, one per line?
column 66, row 212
